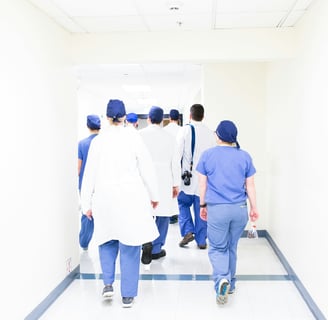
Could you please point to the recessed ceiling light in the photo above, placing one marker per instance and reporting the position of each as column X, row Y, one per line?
column 175, row 5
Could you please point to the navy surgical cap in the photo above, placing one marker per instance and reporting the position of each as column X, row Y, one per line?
column 132, row 117
column 93, row 122
column 227, row 132
column 156, row 114
column 174, row 114
column 115, row 110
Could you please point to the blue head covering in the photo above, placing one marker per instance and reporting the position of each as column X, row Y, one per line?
column 227, row 132
column 132, row 117
column 93, row 122
column 156, row 114
column 115, row 110
column 174, row 114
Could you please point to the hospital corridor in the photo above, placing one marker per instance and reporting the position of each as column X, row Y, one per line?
column 259, row 64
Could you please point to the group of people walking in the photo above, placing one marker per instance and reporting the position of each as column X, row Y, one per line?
column 136, row 182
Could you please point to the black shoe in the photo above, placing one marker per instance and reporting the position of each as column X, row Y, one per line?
column 161, row 254
column 186, row 239
column 174, row 219
column 146, row 253
column 202, row 246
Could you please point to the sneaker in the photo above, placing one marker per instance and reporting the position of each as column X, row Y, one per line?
column 222, row 294
column 146, row 253
column 127, row 302
column 186, row 239
column 108, row 291
column 159, row 255
column 202, row 246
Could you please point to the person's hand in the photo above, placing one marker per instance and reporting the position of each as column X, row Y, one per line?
column 175, row 192
column 253, row 215
column 89, row 214
column 203, row 213
column 154, row 204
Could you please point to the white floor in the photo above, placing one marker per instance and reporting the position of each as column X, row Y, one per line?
column 178, row 286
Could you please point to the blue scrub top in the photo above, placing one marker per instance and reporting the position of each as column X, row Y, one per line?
column 226, row 169
column 83, row 149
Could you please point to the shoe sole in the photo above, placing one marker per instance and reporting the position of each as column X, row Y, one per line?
column 108, row 295
column 222, row 297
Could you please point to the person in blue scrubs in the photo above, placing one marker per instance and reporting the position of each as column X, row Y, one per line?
column 87, row 224
column 226, row 182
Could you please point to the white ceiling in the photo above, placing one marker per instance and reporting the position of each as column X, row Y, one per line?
column 94, row 16
column 167, row 85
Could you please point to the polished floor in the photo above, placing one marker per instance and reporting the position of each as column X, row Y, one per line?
column 179, row 286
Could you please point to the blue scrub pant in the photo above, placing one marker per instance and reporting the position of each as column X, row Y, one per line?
column 163, row 227
column 86, row 232
column 187, row 224
column 129, row 265
column 225, row 226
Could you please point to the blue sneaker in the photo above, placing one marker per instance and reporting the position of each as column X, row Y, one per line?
column 223, row 291
column 108, row 291
column 127, row 302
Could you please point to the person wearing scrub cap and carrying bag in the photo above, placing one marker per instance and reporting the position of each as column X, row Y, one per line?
column 226, row 182
column 120, row 190
column 87, row 224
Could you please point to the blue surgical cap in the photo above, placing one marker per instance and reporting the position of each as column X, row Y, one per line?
column 174, row 114
column 156, row 114
column 115, row 109
column 227, row 132
column 132, row 117
column 93, row 122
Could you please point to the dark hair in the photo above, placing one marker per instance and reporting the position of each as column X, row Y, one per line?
column 197, row 112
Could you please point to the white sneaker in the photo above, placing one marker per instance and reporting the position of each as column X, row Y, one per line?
column 223, row 291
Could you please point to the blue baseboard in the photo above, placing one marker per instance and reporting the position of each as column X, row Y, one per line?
column 53, row 295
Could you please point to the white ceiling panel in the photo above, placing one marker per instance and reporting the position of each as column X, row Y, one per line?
column 111, row 24
column 170, row 85
column 247, row 20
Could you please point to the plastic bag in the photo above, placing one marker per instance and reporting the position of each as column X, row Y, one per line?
column 252, row 232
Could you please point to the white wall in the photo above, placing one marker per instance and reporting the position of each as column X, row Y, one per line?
column 38, row 166
column 297, row 135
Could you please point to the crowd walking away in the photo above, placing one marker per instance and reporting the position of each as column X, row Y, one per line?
column 120, row 167
column 226, row 184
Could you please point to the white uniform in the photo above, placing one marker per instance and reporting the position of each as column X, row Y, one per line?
column 204, row 139
column 173, row 128
column 163, row 149
column 119, row 182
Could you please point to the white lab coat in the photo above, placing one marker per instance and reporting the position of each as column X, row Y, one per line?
column 163, row 149
column 173, row 128
column 118, row 184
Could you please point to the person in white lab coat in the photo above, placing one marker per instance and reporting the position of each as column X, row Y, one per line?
column 173, row 128
column 163, row 149
column 120, row 189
